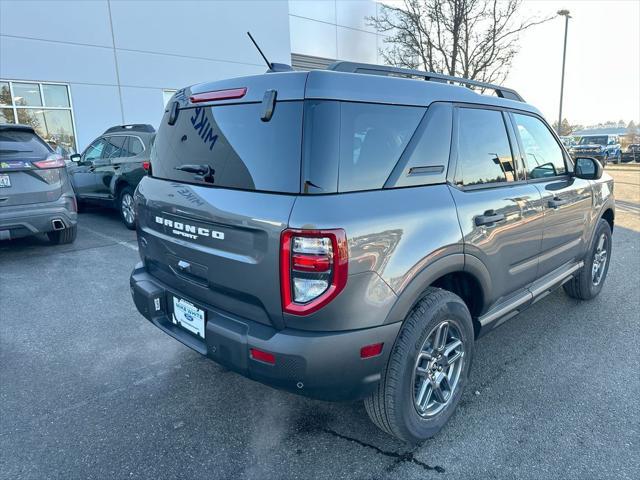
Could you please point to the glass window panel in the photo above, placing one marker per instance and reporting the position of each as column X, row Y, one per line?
column 484, row 154
column 7, row 116
column 34, row 118
column 543, row 154
column 135, row 146
column 27, row 94
column 55, row 95
column 113, row 147
column 94, row 151
column 5, row 94
column 60, row 131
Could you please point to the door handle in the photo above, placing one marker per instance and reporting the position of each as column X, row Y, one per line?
column 489, row 217
column 557, row 202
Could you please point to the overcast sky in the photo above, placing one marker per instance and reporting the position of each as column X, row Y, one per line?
column 602, row 79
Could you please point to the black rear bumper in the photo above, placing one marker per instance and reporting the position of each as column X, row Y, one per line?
column 323, row 365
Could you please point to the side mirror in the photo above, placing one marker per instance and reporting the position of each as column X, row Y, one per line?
column 75, row 157
column 588, row 168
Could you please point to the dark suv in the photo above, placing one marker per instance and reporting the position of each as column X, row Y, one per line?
column 109, row 169
column 35, row 192
column 348, row 234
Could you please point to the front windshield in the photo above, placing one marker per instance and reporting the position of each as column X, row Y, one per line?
column 593, row 140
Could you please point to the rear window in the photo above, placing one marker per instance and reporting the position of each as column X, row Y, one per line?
column 22, row 145
column 245, row 152
column 354, row 146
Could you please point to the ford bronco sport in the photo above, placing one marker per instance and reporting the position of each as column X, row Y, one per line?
column 348, row 233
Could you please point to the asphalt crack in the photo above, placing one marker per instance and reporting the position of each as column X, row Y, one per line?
column 398, row 458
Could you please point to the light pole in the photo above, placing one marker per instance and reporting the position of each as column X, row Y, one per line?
column 565, row 14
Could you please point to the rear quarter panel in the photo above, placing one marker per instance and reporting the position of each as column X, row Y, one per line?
column 393, row 235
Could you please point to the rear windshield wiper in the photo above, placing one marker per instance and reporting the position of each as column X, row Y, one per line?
column 203, row 173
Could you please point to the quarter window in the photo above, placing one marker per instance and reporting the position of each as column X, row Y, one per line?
column 44, row 106
column 484, row 153
column 543, row 155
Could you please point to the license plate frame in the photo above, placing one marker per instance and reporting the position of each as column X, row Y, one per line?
column 5, row 180
column 189, row 317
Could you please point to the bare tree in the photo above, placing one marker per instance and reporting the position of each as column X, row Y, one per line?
column 475, row 39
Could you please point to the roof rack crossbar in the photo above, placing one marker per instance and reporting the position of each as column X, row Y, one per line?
column 370, row 69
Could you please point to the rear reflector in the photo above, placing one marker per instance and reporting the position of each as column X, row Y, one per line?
column 263, row 356
column 371, row 350
column 311, row 263
column 53, row 161
column 145, row 165
column 218, row 95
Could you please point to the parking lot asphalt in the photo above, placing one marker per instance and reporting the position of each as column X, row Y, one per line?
column 89, row 389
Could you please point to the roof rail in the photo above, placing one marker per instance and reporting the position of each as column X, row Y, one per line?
column 371, row 69
column 134, row 127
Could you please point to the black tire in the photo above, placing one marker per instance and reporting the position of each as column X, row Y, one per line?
column 605, row 160
column 391, row 407
column 60, row 237
column 583, row 285
column 618, row 159
column 127, row 215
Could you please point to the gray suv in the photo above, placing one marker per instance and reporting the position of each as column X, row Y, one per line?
column 349, row 233
column 35, row 193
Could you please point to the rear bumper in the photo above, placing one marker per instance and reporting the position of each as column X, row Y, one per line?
column 323, row 365
column 24, row 220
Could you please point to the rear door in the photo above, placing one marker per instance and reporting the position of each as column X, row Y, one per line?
column 499, row 213
column 106, row 167
column 214, row 239
column 566, row 200
column 21, row 182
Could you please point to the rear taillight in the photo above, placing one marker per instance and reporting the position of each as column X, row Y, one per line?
column 146, row 165
column 218, row 95
column 313, row 268
column 52, row 161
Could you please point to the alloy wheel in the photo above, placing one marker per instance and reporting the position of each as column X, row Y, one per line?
column 599, row 260
column 438, row 368
column 126, row 205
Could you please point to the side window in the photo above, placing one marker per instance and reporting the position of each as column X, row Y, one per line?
column 484, row 153
column 113, row 147
column 135, row 146
column 94, row 151
column 372, row 138
column 543, row 155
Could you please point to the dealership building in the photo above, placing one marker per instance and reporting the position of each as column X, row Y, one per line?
column 74, row 68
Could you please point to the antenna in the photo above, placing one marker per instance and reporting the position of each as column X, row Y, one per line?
column 269, row 64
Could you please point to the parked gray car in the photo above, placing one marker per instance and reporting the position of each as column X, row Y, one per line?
column 348, row 234
column 35, row 192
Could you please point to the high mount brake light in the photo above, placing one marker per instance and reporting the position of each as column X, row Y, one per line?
column 52, row 161
column 218, row 95
column 313, row 268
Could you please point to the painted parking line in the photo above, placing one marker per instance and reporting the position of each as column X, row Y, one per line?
column 127, row 244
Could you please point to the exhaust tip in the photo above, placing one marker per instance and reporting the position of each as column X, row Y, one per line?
column 57, row 224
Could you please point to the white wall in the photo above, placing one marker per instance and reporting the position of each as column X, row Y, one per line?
column 118, row 56
column 335, row 29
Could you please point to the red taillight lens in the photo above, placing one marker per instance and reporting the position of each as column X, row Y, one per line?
column 146, row 165
column 311, row 263
column 262, row 356
column 53, row 161
column 313, row 268
column 218, row 95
